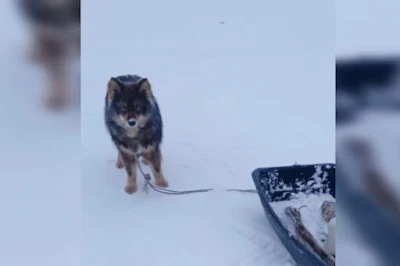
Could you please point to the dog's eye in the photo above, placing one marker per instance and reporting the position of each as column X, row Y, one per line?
column 122, row 107
column 138, row 108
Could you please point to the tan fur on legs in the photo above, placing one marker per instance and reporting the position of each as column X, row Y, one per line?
column 145, row 162
column 47, row 43
column 57, row 91
column 154, row 158
column 130, row 167
column 50, row 50
column 36, row 53
column 120, row 162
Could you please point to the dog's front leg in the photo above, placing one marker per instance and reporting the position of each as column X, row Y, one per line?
column 120, row 162
column 154, row 159
column 57, row 94
column 130, row 167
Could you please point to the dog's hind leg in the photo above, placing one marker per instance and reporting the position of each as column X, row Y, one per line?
column 130, row 167
column 154, row 158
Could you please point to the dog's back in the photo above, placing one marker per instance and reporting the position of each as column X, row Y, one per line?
column 51, row 12
column 128, row 78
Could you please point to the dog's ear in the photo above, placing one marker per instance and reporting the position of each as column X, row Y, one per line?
column 144, row 87
column 114, row 87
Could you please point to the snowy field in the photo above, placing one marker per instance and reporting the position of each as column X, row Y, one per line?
column 255, row 91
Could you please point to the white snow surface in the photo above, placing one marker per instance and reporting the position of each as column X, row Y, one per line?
column 255, row 91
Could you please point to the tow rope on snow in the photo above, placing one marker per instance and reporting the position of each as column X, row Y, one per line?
column 166, row 191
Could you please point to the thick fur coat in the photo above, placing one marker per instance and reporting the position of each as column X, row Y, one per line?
column 133, row 120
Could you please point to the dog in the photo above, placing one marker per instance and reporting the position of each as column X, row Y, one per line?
column 55, row 27
column 133, row 120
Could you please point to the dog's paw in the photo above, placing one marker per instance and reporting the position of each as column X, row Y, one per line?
column 55, row 102
column 130, row 188
column 120, row 164
column 161, row 182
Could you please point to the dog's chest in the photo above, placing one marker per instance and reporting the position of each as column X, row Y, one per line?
column 133, row 148
column 131, row 145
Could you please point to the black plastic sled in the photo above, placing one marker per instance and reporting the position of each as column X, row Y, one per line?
column 276, row 184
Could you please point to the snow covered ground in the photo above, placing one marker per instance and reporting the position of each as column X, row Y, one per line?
column 255, row 91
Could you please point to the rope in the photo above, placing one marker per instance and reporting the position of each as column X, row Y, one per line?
column 166, row 191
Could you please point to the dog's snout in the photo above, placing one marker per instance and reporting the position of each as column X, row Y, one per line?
column 132, row 122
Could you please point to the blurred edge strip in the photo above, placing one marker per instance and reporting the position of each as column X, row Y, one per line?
column 375, row 225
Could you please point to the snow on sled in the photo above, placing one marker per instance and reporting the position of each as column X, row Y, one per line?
column 299, row 202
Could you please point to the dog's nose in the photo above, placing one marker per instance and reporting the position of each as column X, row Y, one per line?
column 131, row 122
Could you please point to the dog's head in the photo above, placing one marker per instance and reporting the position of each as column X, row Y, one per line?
column 132, row 102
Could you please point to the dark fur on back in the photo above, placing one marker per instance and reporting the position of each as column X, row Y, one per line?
column 42, row 11
column 130, row 101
